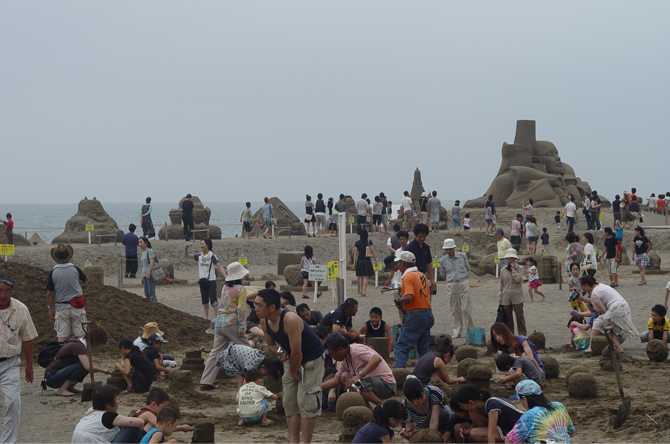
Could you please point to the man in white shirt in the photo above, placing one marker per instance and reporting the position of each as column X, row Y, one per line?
column 407, row 210
column 570, row 209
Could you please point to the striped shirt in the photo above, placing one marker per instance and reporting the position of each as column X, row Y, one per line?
column 17, row 327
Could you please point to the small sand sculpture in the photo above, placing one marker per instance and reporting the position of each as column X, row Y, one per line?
column 657, row 350
column 465, row 351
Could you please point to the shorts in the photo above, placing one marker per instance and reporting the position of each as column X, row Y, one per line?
column 612, row 266
column 361, row 220
column 642, row 260
column 304, row 274
column 69, row 321
column 208, row 295
column 377, row 219
column 466, row 227
column 381, row 388
column 456, row 221
column 385, row 218
column 268, row 225
column 265, row 406
column 247, row 226
column 303, row 398
column 321, row 221
column 532, row 238
column 489, row 220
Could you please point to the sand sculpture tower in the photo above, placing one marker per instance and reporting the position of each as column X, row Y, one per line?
column 417, row 188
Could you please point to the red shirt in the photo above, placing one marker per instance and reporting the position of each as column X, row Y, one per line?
column 660, row 204
column 9, row 225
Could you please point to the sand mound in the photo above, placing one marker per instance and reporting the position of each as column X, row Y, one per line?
column 89, row 210
column 119, row 312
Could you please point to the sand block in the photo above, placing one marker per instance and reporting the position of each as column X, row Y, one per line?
column 573, row 371
column 582, row 386
column 657, row 350
column 400, row 374
column 479, row 376
column 174, row 404
column 465, row 351
column 598, row 343
column 87, row 393
column 381, row 346
column 203, row 433
column 426, row 436
column 181, row 380
column 193, row 354
column 292, row 275
column 117, row 382
column 95, row 274
column 347, row 400
column 193, row 367
column 285, row 258
column 463, row 365
column 551, row 367
column 538, row 339
column 356, row 416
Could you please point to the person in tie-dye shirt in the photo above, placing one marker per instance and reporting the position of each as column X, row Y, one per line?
column 544, row 421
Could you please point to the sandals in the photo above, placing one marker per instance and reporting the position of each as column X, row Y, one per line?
column 269, row 423
column 240, row 422
column 65, row 393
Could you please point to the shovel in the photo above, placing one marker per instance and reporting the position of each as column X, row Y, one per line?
column 624, row 407
column 87, row 393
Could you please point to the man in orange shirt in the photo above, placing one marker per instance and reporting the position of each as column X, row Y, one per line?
column 418, row 318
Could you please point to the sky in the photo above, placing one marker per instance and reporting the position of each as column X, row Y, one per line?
column 237, row 100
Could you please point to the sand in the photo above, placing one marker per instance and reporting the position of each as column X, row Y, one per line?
column 593, row 419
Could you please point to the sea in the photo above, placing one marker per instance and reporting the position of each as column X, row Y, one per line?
column 48, row 220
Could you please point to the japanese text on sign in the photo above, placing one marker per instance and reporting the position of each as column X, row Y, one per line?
column 6, row 250
column 333, row 270
column 318, row 273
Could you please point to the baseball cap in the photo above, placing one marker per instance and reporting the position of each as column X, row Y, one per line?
column 155, row 337
column 407, row 256
column 389, row 261
column 7, row 279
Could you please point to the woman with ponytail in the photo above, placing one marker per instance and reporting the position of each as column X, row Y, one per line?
column 385, row 417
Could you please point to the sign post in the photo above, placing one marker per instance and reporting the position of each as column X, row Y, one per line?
column 89, row 229
column 317, row 273
column 6, row 250
column 342, row 295
column 333, row 274
column 377, row 267
column 496, row 261
column 351, row 224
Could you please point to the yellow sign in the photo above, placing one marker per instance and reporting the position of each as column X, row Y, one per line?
column 243, row 260
column 436, row 262
column 89, row 226
column 496, row 260
column 87, row 263
column 465, row 248
column 351, row 219
column 6, row 250
column 377, row 266
column 333, row 270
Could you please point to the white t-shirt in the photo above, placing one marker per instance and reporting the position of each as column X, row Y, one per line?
column 590, row 252
column 4, row 313
column 140, row 343
column 362, row 207
column 396, row 280
column 205, row 265
column 667, row 287
column 607, row 295
column 570, row 209
column 249, row 399
column 407, row 203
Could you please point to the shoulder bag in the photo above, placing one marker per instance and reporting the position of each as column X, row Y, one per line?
column 204, row 282
column 157, row 273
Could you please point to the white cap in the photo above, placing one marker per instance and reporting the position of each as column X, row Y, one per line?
column 407, row 256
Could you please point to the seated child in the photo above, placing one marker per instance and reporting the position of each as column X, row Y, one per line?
column 166, row 425
column 136, row 368
column 252, row 400
column 152, row 352
column 458, row 417
column 377, row 328
column 385, row 417
column 579, row 336
column 657, row 326
column 519, row 368
column 533, row 278
column 101, row 423
column 574, row 285
column 545, row 241
column 157, row 400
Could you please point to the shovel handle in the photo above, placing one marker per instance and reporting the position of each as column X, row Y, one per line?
column 615, row 363
column 89, row 354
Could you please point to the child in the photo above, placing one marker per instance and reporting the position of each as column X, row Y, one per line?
column 658, row 325
column 306, row 261
column 136, row 368
column 157, row 400
column 519, row 368
column 166, row 425
column 385, row 417
column 618, row 233
column 534, row 279
column 557, row 220
column 579, row 336
column 458, row 418
column 574, row 285
column 545, row 241
column 377, row 328
column 252, row 400
column 466, row 226
column 101, row 423
column 152, row 352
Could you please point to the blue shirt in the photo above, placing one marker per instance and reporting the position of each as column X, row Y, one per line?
column 130, row 240
column 371, row 432
column 149, row 434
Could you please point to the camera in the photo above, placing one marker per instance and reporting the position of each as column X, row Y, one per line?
column 574, row 295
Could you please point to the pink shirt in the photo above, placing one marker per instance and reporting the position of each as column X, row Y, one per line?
column 359, row 356
column 516, row 228
column 607, row 295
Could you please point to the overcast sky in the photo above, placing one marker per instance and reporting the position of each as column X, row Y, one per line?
column 232, row 101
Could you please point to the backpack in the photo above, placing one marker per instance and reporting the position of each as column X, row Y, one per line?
column 49, row 353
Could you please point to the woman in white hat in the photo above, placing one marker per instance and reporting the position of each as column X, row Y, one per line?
column 511, row 292
column 231, row 322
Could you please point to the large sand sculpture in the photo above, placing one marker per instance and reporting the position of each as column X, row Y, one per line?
column 285, row 220
column 201, row 222
column 531, row 168
column 89, row 210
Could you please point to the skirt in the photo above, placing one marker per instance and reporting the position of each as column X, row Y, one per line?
column 619, row 318
column 642, row 260
column 364, row 267
column 535, row 283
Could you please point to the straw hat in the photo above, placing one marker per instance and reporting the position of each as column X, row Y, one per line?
column 511, row 253
column 449, row 244
column 62, row 254
column 151, row 328
column 236, row 272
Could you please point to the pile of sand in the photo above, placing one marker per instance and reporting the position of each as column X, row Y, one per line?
column 119, row 312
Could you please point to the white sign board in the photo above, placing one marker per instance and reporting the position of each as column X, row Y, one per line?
column 318, row 273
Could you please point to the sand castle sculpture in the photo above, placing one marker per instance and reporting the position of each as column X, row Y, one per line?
column 532, row 168
column 89, row 210
column 284, row 218
column 201, row 222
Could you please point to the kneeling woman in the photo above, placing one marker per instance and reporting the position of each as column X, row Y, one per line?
column 544, row 421
column 492, row 417
column 426, row 408
column 238, row 359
